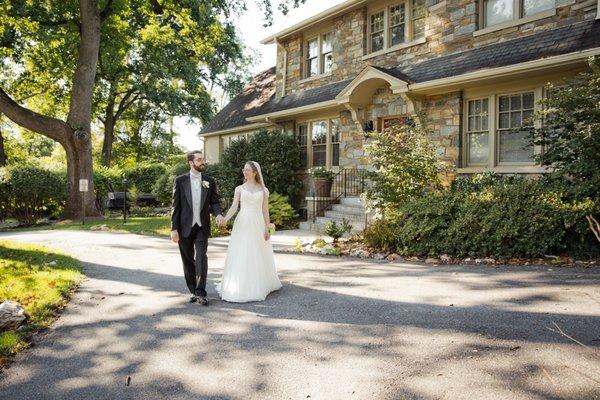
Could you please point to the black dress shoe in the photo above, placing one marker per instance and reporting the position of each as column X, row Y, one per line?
column 203, row 300
column 193, row 299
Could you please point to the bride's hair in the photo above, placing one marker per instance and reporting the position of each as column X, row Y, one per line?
column 257, row 175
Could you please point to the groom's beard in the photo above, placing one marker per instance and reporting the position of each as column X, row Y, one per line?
column 201, row 168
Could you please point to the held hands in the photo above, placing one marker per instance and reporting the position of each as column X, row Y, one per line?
column 269, row 231
column 221, row 221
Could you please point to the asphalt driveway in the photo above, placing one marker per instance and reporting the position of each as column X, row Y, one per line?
column 338, row 329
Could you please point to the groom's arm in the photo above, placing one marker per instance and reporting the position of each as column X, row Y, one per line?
column 176, row 208
column 215, row 204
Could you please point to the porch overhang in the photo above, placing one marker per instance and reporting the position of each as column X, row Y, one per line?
column 359, row 92
column 295, row 112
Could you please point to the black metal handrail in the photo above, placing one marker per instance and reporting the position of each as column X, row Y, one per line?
column 347, row 182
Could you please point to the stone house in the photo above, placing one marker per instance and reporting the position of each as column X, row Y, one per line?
column 477, row 67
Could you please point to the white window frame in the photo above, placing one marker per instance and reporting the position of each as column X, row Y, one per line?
column 494, row 136
column 490, row 116
column 408, row 25
column 518, row 14
column 328, row 142
column 320, row 55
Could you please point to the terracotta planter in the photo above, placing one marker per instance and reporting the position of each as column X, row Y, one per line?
column 322, row 187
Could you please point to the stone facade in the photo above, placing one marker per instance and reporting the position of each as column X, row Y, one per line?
column 451, row 26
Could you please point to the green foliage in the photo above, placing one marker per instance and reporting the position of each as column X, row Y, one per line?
column 163, row 187
column 281, row 212
column 144, row 176
column 570, row 133
column 30, row 193
column 319, row 243
column 321, row 172
column 490, row 216
column 336, row 230
column 405, row 162
column 278, row 155
column 382, row 234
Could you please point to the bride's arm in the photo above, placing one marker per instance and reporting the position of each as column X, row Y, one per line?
column 234, row 205
column 265, row 209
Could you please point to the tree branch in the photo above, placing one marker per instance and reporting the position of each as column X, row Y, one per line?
column 125, row 103
column 105, row 13
column 594, row 225
column 50, row 127
column 157, row 8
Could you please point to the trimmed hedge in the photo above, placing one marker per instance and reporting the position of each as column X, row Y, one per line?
column 489, row 216
column 28, row 193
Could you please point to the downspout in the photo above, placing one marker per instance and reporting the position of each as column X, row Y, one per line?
column 284, row 72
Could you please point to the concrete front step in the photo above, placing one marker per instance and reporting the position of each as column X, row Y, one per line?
column 340, row 215
column 355, row 210
column 351, row 201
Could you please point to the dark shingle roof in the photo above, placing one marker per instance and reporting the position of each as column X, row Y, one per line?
column 258, row 97
column 540, row 45
column 306, row 97
column 246, row 104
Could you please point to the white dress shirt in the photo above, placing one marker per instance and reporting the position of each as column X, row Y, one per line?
column 196, row 184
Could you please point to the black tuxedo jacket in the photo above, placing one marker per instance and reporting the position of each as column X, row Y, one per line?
column 182, row 215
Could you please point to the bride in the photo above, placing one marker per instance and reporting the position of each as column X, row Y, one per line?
column 249, row 273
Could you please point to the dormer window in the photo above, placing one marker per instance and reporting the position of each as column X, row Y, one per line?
column 419, row 12
column 327, row 53
column 312, row 63
column 502, row 11
column 397, row 24
column 319, row 55
column 377, row 31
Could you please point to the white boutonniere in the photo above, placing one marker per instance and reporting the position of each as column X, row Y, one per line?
column 206, row 184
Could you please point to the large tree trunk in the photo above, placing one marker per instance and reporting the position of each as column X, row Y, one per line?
column 79, row 145
column 109, row 127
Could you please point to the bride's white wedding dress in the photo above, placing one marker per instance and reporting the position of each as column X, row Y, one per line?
column 249, row 273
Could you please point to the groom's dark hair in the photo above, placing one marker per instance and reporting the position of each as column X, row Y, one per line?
column 190, row 155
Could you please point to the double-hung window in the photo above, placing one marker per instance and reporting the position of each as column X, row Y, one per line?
column 496, row 129
column 319, row 142
column 498, row 11
column 398, row 23
column 319, row 55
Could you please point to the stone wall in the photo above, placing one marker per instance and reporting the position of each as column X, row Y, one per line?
column 444, row 113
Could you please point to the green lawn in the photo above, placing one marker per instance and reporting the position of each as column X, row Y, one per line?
column 38, row 278
column 152, row 226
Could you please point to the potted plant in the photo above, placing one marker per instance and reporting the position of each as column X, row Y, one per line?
column 322, row 180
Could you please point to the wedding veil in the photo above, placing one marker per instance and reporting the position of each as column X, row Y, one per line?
column 262, row 180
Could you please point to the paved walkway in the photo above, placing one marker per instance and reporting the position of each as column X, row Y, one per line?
column 338, row 329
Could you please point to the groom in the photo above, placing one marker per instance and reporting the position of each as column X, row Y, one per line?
column 194, row 194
